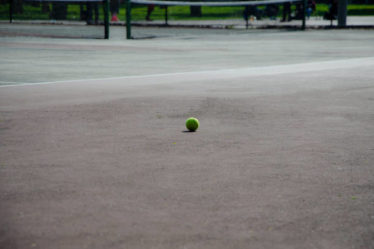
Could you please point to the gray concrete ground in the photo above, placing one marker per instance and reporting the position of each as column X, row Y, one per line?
column 94, row 152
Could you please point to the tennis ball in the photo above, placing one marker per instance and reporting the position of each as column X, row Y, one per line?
column 192, row 124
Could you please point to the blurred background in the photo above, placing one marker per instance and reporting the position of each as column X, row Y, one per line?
column 80, row 15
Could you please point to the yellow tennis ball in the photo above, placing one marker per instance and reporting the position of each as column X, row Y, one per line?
column 192, row 124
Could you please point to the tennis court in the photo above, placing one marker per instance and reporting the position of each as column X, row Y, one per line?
column 94, row 152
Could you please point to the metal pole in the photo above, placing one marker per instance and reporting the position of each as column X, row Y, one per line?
column 128, row 19
column 304, row 14
column 342, row 13
column 166, row 15
column 10, row 11
column 246, row 16
column 106, row 18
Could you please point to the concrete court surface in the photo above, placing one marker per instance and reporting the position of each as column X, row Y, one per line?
column 94, row 153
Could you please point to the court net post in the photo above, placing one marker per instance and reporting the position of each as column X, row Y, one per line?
column 304, row 14
column 128, row 19
column 166, row 15
column 10, row 11
column 106, row 19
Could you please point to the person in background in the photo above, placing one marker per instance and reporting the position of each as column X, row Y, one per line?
column 333, row 11
column 149, row 12
column 92, row 7
column 311, row 7
column 271, row 10
column 251, row 12
column 114, row 9
column 286, row 12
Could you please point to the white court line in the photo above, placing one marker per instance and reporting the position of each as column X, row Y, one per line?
column 8, row 82
column 235, row 72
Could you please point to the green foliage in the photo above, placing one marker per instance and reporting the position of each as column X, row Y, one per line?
column 33, row 12
column 352, row 9
column 183, row 13
column 360, row 9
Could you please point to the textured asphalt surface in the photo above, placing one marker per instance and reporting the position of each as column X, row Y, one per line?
column 283, row 158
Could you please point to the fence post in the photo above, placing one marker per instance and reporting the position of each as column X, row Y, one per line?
column 128, row 19
column 342, row 13
column 166, row 15
column 304, row 14
column 106, row 18
column 10, row 11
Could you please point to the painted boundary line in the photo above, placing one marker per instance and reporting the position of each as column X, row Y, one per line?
column 231, row 73
column 8, row 82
